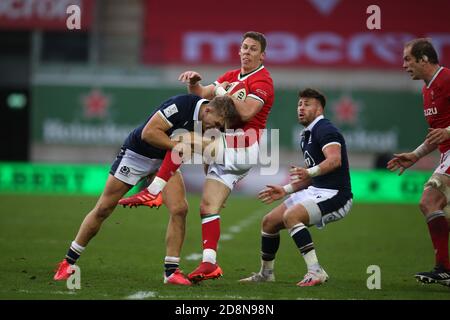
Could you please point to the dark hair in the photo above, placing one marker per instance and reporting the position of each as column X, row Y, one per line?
column 423, row 47
column 257, row 36
column 312, row 93
column 225, row 108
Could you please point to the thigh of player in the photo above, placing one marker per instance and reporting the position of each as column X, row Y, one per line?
column 440, row 180
column 215, row 193
column 233, row 164
column 323, row 205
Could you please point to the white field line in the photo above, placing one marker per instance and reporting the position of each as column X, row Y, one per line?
column 194, row 256
column 141, row 295
column 70, row 292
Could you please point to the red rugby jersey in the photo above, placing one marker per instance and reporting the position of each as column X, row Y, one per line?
column 260, row 87
column 436, row 103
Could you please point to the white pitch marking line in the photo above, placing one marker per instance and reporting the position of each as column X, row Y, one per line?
column 69, row 292
column 141, row 295
column 194, row 256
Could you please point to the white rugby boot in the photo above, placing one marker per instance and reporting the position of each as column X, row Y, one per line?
column 314, row 278
column 259, row 277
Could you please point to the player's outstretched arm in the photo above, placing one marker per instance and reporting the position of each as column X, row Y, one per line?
column 192, row 79
column 271, row 193
column 401, row 162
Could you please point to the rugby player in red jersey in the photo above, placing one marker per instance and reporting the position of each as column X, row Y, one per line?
column 420, row 60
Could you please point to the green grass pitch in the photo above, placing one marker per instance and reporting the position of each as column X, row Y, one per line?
column 125, row 259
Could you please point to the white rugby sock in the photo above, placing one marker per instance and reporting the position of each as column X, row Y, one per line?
column 169, row 259
column 156, row 186
column 209, row 255
column 311, row 261
column 79, row 249
column 267, row 267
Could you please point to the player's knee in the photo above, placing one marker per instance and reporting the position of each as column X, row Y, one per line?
column 206, row 207
column 268, row 224
column 180, row 210
column 423, row 206
column 203, row 208
column 431, row 202
column 103, row 211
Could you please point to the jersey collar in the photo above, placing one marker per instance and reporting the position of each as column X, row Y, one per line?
column 312, row 124
column 434, row 77
column 242, row 77
column 197, row 108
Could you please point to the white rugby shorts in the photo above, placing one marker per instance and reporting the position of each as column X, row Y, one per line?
column 130, row 167
column 444, row 164
column 323, row 205
column 233, row 163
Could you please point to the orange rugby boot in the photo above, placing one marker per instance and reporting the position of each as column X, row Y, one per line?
column 64, row 271
column 177, row 278
column 205, row 271
column 143, row 198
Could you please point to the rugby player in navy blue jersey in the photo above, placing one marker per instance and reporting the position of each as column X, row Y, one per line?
column 320, row 193
column 141, row 156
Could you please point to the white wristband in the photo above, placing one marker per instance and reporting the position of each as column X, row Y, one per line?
column 220, row 91
column 421, row 151
column 288, row 188
column 314, row 171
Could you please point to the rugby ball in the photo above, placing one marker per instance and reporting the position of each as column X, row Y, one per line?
column 237, row 89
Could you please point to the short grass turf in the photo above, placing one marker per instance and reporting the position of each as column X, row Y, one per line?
column 125, row 260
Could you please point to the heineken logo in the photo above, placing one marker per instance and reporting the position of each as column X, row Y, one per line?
column 96, row 104
column 346, row 111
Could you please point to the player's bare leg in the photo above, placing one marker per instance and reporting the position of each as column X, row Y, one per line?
column 215, row 193
column 113, row 191
column 175, row 200
column 271, row 225
column 296, row 220
column 273, row 221
column 432, row 205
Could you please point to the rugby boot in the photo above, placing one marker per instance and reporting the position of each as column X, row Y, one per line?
column 205, row 271
column 143, row 198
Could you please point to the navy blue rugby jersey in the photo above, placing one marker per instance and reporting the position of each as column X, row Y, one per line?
column 180, row 112
column 312, row 142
